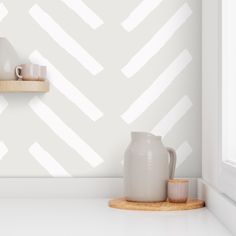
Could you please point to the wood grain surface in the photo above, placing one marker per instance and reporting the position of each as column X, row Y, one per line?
column 23, row 86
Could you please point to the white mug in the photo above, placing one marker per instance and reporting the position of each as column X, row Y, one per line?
column 42, row 73
column 28, row 71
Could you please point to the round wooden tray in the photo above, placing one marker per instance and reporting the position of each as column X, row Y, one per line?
column 121, row 203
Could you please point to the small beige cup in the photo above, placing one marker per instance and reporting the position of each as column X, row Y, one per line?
column 178, row 190
column 28, row 71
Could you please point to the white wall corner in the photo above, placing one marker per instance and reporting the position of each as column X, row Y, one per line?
column 220, row 205
column 210, row 90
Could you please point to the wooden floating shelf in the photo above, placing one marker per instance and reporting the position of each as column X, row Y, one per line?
column 121, row 203
column 24, row 86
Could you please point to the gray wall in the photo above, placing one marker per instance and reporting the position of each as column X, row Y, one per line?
column 111, row 72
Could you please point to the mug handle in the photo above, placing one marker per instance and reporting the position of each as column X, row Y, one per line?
column 172, row 164
column 18, row 68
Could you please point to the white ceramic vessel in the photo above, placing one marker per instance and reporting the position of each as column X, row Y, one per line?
column 147, row 168
column 8, row 60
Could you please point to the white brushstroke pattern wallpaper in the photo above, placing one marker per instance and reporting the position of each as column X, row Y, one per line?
column 114, row 67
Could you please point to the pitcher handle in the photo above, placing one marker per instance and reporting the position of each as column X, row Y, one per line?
column 172, row 164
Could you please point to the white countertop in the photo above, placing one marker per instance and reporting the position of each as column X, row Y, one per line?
column 90, row 217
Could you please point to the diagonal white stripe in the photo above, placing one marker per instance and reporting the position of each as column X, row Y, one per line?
column 86, row 14
column 3, row 11
column 47, row 161
column 67, row 88
column 157, row 41
column 65, row 132
column 158, row 87
column 3, row 150
column 139, row 14
column 183, row 151
column 172, row 117
column 64, row 40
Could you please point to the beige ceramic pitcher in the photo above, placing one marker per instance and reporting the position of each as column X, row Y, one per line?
column 147, row 167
